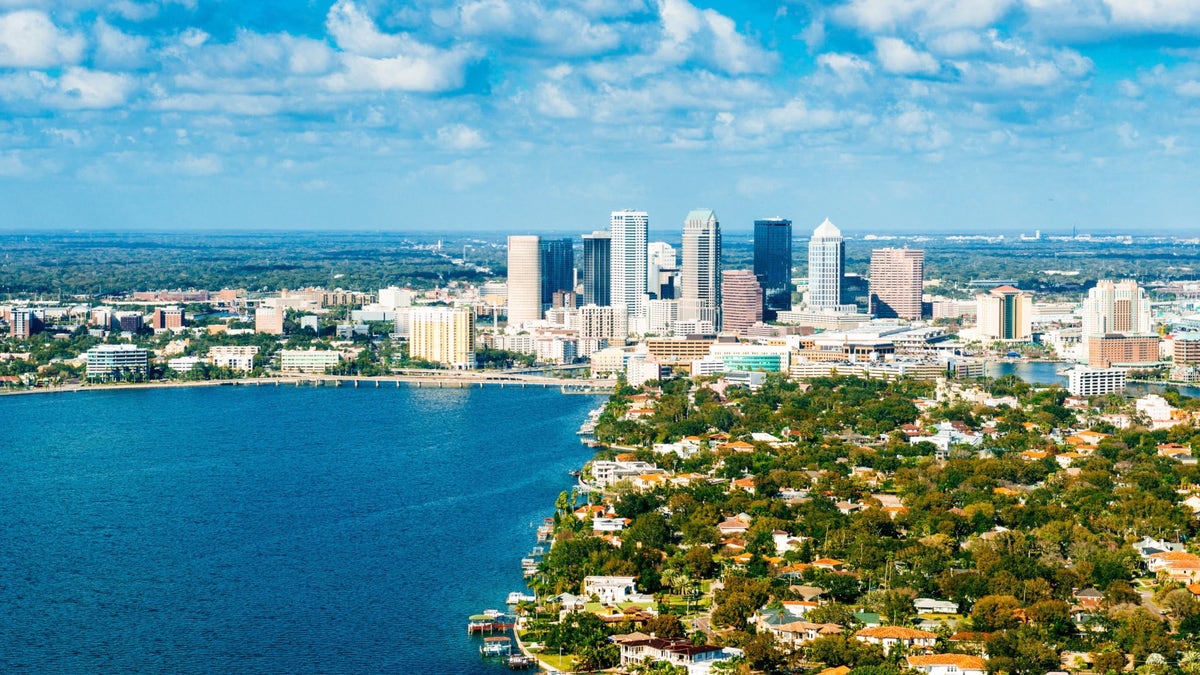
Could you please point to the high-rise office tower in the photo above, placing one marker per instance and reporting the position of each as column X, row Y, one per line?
column 773, row 263
column 741, row 300
column 558, row 269
column 628, row 229
column 597, row 269
column 524, row 278
column 1120, row 307
column 826, row 263
column 660, row 256
column 1005, row 314
column 700, row 295
column 897, row 279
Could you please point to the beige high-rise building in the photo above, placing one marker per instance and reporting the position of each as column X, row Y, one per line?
column 269, row 320
column 443, row 335
column 524, row 279
column 741, row 300
column 897, row 279
column 604, row 323
column 1005, row 314
column 1114, row 307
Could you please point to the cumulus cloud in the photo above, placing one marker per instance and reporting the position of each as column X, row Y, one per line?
column 561, row 30
column 119, row 50
column 460, row 137
column 83, row 88
column 898, row 57
column 374, row 60
column 709, row 37
column 29, row 39
column 889, row 15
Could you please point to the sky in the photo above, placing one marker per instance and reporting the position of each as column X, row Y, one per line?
column 974, row 116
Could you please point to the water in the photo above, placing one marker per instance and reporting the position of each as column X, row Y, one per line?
column 1047, row 372
column 270, row 530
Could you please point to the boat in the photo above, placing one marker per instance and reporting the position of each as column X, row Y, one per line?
column 491, row 621
column 521, row 662
column 517, row 597
column 496, row 646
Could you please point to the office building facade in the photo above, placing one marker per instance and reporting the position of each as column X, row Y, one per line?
column 897, row 280
column 700, row 273
column 1005, row 314
column 773, row 264
column 628, row 230
column 741, row 300
column 558, row 269
column 826, row 264
column 524, row 279
column 597, row 269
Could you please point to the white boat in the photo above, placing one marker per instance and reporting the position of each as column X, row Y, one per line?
column 518, row 597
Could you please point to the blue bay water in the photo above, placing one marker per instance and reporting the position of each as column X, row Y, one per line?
column 270, row 530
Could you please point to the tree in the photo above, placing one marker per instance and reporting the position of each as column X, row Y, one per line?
column 664, row 626
column 995, row 612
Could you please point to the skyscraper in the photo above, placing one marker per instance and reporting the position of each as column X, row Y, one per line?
column 1005, row 314
column 741, row 300
column 443, row 335
column 700, row 295
column 660, row 257
column 597, row 269
column 628, row 229
column 1120, row 307
column 558, row 269
column 773, row 263
column 897, row 279
column 826, row 263
column 524, row 278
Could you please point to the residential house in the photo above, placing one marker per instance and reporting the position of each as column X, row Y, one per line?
column 611, row 589
column 891, row 636
column 738, row 524
column 947, row 664
column 638, row 648
column 931, row 606
column 796, row 633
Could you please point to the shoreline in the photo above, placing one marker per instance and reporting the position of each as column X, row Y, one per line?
column 462, row 381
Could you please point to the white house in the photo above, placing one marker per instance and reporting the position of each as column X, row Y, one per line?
column 610, row 589
column 931, row 606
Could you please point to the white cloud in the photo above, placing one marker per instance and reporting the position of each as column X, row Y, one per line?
column 1127, row 134
column 956, row 43
column 374, row 60
column 898, row 57
column 29, row 39
column 118, row 50
column 198, row 165
column 460, row 137
column 560, row 30
column 11, row 165
column 252, row 105
column 460, row 175
column 707, row 36
column 888, row 15
column 550, row 101
column 83, row 88
column 1154, row 14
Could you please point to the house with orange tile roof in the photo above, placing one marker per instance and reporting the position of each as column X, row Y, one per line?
column 738, row 524
column 831, row 564
column 746, row 484
column 796, row 633
column 891, row 636
column 736, row 446
column 947, row 664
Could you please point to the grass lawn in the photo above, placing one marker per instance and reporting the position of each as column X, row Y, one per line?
column 564, row 662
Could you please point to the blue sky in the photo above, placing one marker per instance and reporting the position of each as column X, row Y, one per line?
column 529, row 115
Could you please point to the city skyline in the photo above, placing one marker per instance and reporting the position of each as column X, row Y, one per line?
column 1004, row 116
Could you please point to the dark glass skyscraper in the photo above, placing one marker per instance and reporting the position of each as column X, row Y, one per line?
column 558, row 268
column 773, row 264
column 597, row 269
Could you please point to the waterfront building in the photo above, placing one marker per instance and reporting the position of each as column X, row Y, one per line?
column 267, row 320
column 184, row 364
column 443, row 335
column 524, row 279
column 312, row 361
column 558, row 270
column 1187, row 349
column 167, row 318
column 741, row 300
column 234, row 357
column 1105, row 351
column 826, row 265
column 117, row 362
column 597, row 269
column 700, row 292
column 897, row 279
column 1087, row 381
column 1114, row 307
column 1005, row 315
column 773, row 263
column 628, row 230
column 679, row 350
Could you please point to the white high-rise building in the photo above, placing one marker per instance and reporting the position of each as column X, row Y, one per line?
column 826, row 266
column 524, row 279
column 1121, row 307
column 661, row 316
column 700, row 292
column 628, row 230
column 659, row 256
